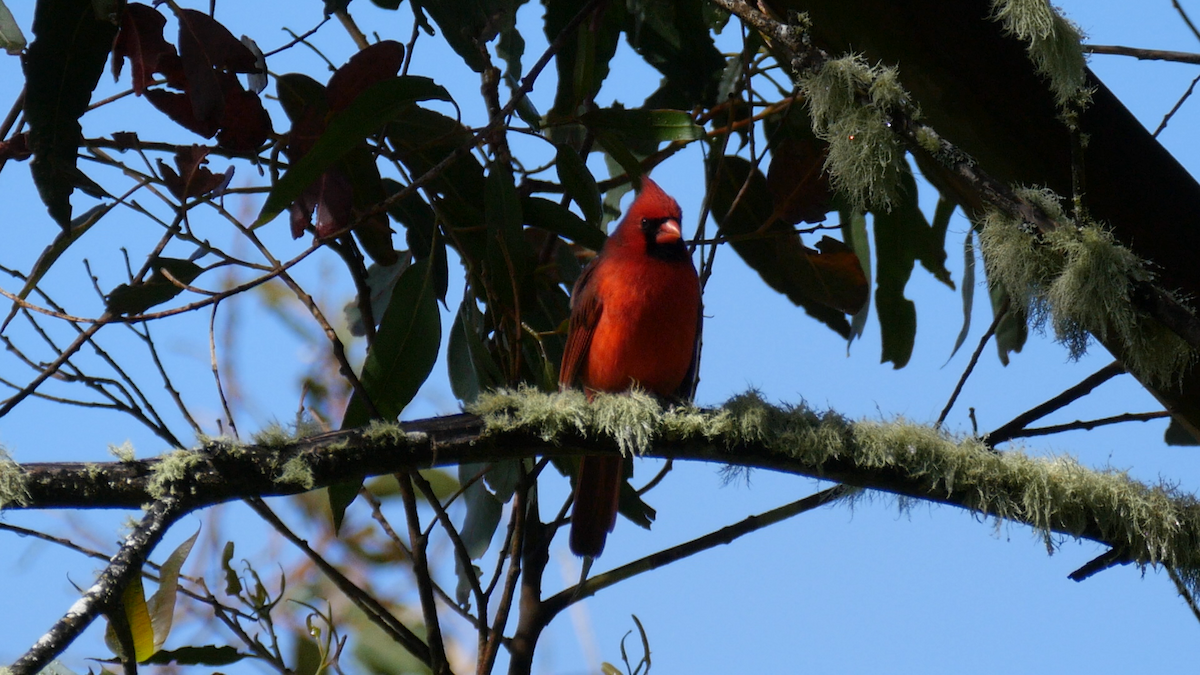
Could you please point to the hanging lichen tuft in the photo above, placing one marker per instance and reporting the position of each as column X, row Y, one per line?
column 1054, row 46
column 849, row 102
column 1080, row 281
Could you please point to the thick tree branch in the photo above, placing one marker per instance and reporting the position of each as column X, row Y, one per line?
column 1156, row 523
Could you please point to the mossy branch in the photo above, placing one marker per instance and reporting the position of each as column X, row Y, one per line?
column 1151, row 524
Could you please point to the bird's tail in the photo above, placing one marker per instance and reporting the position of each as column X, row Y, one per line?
column 594, row 512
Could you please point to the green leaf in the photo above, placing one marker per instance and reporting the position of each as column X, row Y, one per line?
column 233, row 583
column 382, row 102
column 208, row 655
column 1176, row 434
column 1013, row 329
column 638, row 126
column 619, row 152
column 11, row 37
column 674, row 38
column 157, row 289
column 62, row 66
column 381, row 279
column 902, row 237
column 508, row 254
column 137, row 617
column 421, row 233
column 968, row 290
column 579, row 183
column 162, row 604
column 404, row 351
column 397, row 364
column 854, row 231
column 583, row 62
column 470, row 364
column 556, row 218
column 483, row 511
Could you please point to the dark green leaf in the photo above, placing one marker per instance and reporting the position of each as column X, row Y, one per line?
column 854, row 231
column 381, row 279
column 579, row 183
column 1176, row 434
column 508, row 254
column 137, row 298
column 556, row 218
column 673, row 36
column 655, row 126
column 62, row 66
column 511, row 46
column 471, row 366
column 404, row 350
column 208, row 655
column 397, row 364
column 298, row 92
column 779, row 257
column 367, row 190
column 619, row 152
column 581, row 75
column 379, row 104
column 233, row 583
column 630, row 503
column 1013, row 329
column 421, row 232
column 468, row 25
column 902, row 237
column 483, row 511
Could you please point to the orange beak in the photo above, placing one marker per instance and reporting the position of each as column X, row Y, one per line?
column 668, row 232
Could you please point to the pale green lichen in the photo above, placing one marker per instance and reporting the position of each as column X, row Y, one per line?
column 1153, row 524
column 274, row 435
column 296, row 471
column 171, row 469
column 14, row 487
column 123, row 452
column 1080, row 281
column 850, row 103
column 1055, row 46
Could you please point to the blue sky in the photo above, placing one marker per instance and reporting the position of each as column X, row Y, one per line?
column 870, row 588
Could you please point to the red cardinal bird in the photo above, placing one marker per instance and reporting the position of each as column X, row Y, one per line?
column 635, row 312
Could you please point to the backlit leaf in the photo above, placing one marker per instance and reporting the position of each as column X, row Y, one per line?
column 579, row 183
column 162, row 604
column 644, row 125
column 556, row 218
column 379, row 104
column 155, row 290
column 62, row 66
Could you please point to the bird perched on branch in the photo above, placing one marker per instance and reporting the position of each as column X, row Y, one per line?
column 635, row 318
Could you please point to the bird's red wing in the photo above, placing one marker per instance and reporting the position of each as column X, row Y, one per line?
column 585, row 314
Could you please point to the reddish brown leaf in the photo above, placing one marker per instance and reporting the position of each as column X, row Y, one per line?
column 193, row 178
column 373, row 64
column 179, row 108
column 330, row 196
column 245, row 125
column 797, row 180
column 141, row 41
column 840, row 275
column 16, row 148
column 207, row 49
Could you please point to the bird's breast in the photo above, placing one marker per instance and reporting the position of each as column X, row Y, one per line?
column 646, row 333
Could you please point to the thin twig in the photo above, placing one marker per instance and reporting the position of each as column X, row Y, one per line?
column 1005, row 432
column 1144, row 54
column 1088, row 425
column 987, row 335
column 379, row 615
column 419, row 543
column 1178, row 104
column 725, row 535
